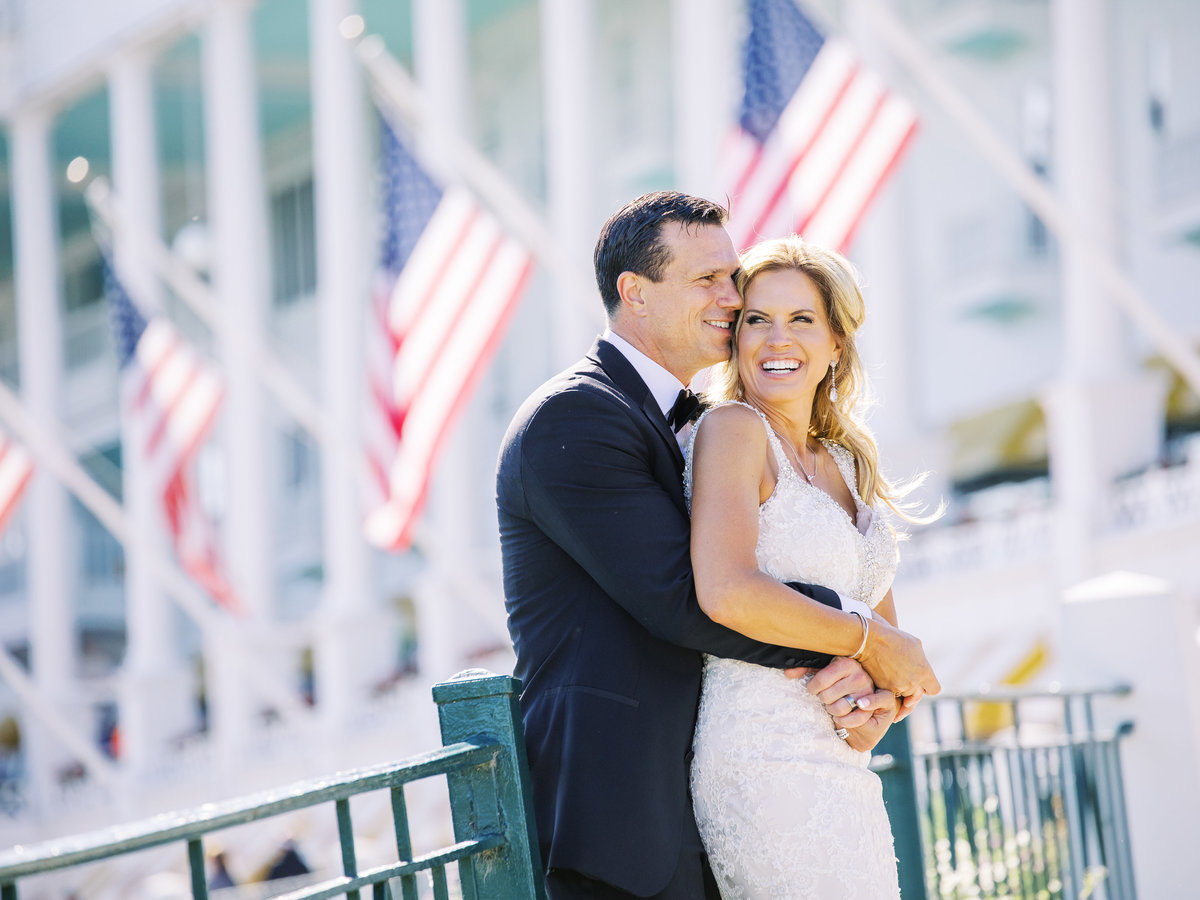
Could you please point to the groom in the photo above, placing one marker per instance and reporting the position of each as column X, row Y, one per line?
column 601, row 605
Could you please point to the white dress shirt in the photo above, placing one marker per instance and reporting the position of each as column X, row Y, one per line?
column 664, row 387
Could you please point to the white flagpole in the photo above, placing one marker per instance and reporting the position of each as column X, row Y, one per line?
column 1033, row 190
column 198, row 298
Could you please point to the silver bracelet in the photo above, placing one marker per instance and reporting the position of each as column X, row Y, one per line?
column 866, row 632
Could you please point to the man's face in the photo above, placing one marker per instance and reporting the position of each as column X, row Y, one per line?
column 688, row 315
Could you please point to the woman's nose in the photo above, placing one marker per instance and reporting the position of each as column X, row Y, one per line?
column 778, row 336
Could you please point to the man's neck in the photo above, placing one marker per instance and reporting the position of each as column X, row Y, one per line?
column 637, row 343
column 663, row 385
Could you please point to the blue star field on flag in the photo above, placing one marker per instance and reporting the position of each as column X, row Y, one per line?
column 777, row 55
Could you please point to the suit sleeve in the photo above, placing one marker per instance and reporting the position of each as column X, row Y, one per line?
column 590, row 486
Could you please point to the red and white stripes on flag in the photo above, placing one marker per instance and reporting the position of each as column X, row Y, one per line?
column 170, row 397
column 818, row 134
column 16, row 468
column 450, row 282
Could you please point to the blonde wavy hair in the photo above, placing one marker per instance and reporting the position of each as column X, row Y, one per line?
column 838, row 421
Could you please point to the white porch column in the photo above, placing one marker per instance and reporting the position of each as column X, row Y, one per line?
column 353, row 648
column 887, row 341
column 706, row 48
column 238, row 229
column 1103, row 416
column 1137, row 630
column 155, row 695
column 886, row 346
column 440, row 51
column 52, row 535
column 567, row 70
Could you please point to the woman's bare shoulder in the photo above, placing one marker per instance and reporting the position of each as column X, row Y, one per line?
column 730, row 426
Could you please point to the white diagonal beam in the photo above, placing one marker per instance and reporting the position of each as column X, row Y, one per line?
column 43, row 709
column 49, row 452
column 462, row 162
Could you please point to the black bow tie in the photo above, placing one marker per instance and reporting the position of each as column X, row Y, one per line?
column 686, row 409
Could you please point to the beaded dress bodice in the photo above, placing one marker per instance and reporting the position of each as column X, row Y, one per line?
column 856, row 559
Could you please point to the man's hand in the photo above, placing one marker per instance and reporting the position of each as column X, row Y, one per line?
column 840, row 685
column 881, row 709
column 896, row 662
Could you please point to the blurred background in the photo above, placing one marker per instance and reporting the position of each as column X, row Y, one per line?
column 275, row 275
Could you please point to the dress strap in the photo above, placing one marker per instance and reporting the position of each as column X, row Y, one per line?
column 782, row 463
column 846, row 465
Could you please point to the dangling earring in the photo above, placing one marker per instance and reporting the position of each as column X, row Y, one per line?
column 833, row 381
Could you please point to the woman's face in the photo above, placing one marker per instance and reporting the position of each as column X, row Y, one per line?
column 784, row 343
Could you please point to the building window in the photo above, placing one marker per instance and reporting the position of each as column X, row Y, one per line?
column 299, row 460
column 12, row 557
column 1036, row 123
column 293, row 242
column 83, row 284
column 102, row 556
column 1158, row 83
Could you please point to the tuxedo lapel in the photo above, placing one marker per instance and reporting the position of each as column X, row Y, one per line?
column 626, row 378
column 654, row 414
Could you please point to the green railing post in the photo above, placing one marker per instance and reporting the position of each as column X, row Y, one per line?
column 900, row 797
column 475, row 705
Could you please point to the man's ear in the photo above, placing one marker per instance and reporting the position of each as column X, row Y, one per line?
column 629, row 288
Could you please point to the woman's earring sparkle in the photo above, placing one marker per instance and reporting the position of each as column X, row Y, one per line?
column 833, row 381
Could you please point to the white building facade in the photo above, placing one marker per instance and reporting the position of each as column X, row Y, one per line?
column 239, row 140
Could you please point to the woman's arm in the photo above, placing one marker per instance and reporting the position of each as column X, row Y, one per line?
column 731, row 476
column 887, row 609
column 885, row 707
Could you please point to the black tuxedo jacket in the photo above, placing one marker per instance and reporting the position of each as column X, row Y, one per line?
column 602, row 611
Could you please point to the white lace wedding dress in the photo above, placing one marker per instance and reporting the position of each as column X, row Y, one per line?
column 787, row 809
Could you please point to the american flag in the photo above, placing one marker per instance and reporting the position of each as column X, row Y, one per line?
column 817, row 136
column 16, row 468
column 170, row 396
column 449, row 280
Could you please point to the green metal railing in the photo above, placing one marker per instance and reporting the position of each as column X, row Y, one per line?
column 1014, row 794
column 984, row 806
column 487, row 777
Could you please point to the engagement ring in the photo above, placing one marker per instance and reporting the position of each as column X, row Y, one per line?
column 842, row 733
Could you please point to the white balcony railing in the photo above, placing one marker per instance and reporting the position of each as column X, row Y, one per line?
column 1022, row 538
column 1160, row 498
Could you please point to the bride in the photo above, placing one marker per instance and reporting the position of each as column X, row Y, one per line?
column 783, row 483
